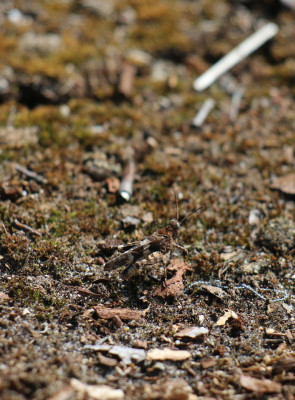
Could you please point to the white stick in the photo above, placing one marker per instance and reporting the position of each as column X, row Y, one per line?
column 240, row 52
column 203, row 112
column 126, row 189
column 235, row 104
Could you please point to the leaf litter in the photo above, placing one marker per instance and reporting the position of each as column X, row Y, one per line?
column 76, row 118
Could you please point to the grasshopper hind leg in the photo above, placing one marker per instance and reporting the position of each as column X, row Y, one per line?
column 129, row 272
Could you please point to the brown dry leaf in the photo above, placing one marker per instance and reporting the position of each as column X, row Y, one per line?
column 168, row 354
column 113, row 184
column 174, row 286
column 4, row 296
column 87, row 292
column 126, row 314
column 285, row 184
column 260, row 385
column 229, row 314
column 97, row 392
column 192, row 333
column 208, row 362
column 216, row 291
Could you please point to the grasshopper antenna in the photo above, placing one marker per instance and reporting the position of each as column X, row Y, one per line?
column 176, row 202
column 194, row 211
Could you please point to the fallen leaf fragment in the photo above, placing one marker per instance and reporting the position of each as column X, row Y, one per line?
column 64, row 393
column 108, row 362
column 126, row 314
column 192, row 333
column 113, row 184
column 229, row 314
column 208, row 362
column 126, row 79
column 215, row 291
column 97, row 392
column 260, row 385
column 285, row 184
column 174, row 286
column 172, row 389
column 126, row 354
column 87, row 292
column 4, row 296
column 141, row 344
column 167, row 354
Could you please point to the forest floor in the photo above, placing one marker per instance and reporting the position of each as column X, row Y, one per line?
column 85, row 87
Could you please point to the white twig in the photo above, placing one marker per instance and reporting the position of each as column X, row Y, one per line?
column 243, row 286
column 126, row 187
column 203, row 112
column 236, row 55
column 235, row 104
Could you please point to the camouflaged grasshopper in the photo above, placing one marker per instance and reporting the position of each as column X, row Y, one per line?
column 150, row 250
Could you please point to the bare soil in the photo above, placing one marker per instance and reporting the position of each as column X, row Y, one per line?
column 85, row 86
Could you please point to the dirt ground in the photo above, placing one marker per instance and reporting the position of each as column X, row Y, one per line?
column 88, row 86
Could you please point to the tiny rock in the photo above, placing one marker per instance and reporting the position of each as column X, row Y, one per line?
column 254, row 217
column 130, row 222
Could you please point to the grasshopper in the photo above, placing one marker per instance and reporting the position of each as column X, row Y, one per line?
column 149, row 250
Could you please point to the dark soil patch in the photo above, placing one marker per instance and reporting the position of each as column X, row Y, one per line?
column 70, row 123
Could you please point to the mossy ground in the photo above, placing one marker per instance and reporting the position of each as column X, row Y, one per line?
column 70, row 92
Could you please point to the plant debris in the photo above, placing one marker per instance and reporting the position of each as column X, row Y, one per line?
column 101, row 166
column 208, row 362
column 126, row 354
column 168, row 354
column 96, row 392
column 229, row 314
column 192, row 333
column 4, row 296
column 126, row 314
column 172, row 389
column 285, row 184
column 174, row 286
column 260, row 385
column 215, row 291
